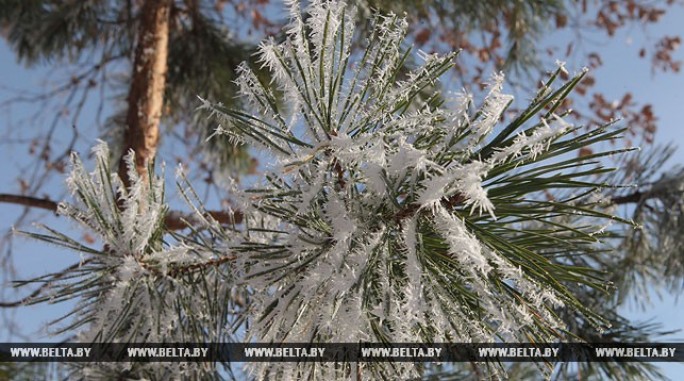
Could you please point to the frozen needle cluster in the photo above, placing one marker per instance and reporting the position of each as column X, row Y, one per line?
column 394, row 214
column 138, row 286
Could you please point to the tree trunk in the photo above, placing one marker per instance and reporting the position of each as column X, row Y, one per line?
column 146, row 95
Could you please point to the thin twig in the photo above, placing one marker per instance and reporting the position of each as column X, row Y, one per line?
column 176, row 271
column 33, row 202
column 412, row 208
column 174, row 220
column 628, row 199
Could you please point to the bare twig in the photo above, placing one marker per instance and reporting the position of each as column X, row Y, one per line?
column 34, row 202
column 631, row 198
column 174, row 220
column 181, row 270
column 179, row 221
column 411, row 209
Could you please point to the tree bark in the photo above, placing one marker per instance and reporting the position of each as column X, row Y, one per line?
column 173, row 220
column 148, row 81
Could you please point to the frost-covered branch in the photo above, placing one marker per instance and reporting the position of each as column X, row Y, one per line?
column 394, row 217
column 145, row 285
column 391, row 213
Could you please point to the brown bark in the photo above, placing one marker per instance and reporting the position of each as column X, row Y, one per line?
column 631, row 198
column 148, row 81
column 34, row 202
column 173, row 220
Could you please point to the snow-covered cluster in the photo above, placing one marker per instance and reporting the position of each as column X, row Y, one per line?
column 391, row 213
column 138, row 287
column 377, row 197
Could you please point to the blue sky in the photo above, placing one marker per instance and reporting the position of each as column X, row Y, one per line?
column 622, row 71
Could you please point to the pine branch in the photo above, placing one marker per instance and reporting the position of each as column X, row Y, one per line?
column 631, row 198
column 178, row 221
column 174, row 220
column 411, row 209
column 176, row 271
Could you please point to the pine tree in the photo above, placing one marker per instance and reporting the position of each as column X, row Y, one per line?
column 392, row 212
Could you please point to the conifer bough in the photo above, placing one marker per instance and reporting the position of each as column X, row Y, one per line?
column 396, row 216
column 391, row 213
